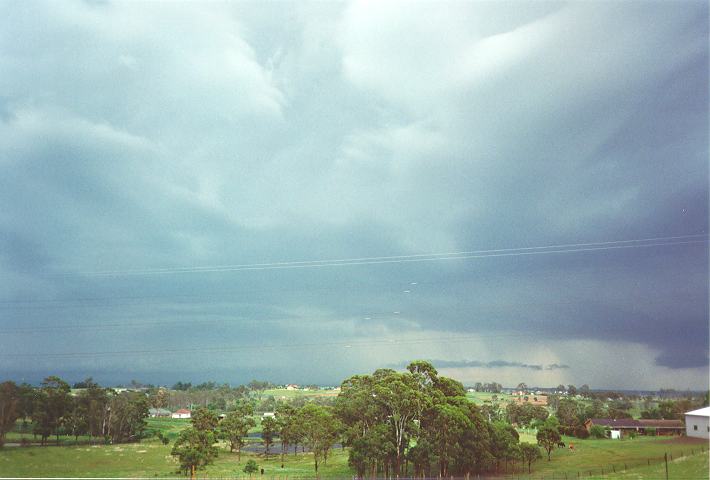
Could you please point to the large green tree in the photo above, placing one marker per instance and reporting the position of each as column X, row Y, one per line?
column 9, row 408
column 52, row 404
column 269, row 429
column 289, row 433
column 195, row 450
column 235, row 427
column 548, row 437
column 195, row 447
column 127, row 414
column 529, row 453
column 320, row 430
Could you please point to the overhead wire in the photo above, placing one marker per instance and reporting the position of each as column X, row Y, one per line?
column 423, row 257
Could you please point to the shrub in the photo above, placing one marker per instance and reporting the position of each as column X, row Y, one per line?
column 597, row 431
column 651, row 432
column 251, row 467
column 581, row 432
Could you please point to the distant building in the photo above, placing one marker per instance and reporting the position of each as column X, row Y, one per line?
column 628, row 425
column 158, row 412
column 697, row 423
column 182, row 413
column 292, row 386
column 268, row 414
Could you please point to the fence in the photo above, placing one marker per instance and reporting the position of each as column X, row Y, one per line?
column 586, row 473
column 609, row 469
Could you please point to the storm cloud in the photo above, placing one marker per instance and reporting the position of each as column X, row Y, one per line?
column 489, row 364
column 304, row 191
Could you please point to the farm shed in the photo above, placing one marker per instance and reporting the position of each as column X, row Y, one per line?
column 628, row 425
column 182, row 413
column 697, row 423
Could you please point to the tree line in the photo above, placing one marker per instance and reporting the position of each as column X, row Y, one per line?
column 51, row 410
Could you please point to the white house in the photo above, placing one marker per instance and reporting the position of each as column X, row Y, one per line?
column 182, row 413
column 269, row 414
column 697, row 423
column 292, row 386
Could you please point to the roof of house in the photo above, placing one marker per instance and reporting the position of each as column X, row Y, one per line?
column 616, row 422
column 182, row 410
column 701, row 412
column 631, row 423
column 650, row 422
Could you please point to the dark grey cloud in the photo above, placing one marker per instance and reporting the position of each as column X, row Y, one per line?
column 138, row 137
column 555, row 366
column 489, row 364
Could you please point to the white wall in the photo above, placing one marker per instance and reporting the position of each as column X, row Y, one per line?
column 697, row 426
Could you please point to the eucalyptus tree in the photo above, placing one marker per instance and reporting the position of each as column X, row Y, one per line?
column 529, row 454
column 320, row 429
column 288, row 431
column 195, row 447
column 52, row 402
column 548, row 437
column 269, row 429
column 9, row 408
column 235, row 427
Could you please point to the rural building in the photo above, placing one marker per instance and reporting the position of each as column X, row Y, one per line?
column 697, row 423
column 292, row 386
column 628, row 425
column 269, row 414
column 182, row 413
column 158, row 412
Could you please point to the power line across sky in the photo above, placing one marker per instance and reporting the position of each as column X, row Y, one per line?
column 422, row 257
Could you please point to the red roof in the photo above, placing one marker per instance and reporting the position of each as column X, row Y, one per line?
column 182, row 410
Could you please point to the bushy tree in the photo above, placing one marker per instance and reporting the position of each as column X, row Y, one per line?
column 597, row 431
column 52, row 402
column 127, row 414
column 235, row 427
column 251, row 467
column 195, row 447
column 548, row 436
column 269, row 429
column 529, row 454
column 289, row 433
column 320, row 430
column 195, row 450
column 9, row 408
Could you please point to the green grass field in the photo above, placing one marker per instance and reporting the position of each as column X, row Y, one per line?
column 283, row 394
column 640, row 458
column 480, row 397
column 150, row 459
column 642, row 454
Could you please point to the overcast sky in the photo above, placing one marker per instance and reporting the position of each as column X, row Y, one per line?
column 163, row 164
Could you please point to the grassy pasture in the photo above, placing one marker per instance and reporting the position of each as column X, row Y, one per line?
column 481, row 397
column 283, row 394
column 151, row 459
column 614, row 455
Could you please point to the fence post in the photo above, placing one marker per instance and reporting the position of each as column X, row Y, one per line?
column 665, row 458
column 613, row 468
